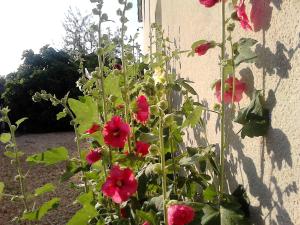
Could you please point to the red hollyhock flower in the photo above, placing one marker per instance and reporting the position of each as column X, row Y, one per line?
column 146, row 223
column 242, row 15
column 209, row 3
column 120, row 184
column 117, row 66
column 240, row 87
column 202, row 49
column 142, row 148
column 143, row 110
column 180, row 214
column 94, row 128
column 116, row 132
column 93, row 156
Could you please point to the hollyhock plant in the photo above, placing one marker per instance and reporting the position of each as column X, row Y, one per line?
column 209, row 3
column 203, row 48
column 242, row 16
column 180, row 214
column 120, row 185
column 116, row 132
column 143, row 111
column 146, row 223
column 142, row 148
column 93, row 156
column 240, row 88
column 94, row 128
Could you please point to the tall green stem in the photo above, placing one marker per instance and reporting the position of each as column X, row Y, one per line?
column 127, row 103
column 222, row 153
column 18, row 166
column 163, row 166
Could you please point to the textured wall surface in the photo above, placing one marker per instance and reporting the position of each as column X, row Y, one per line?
column 268, row 167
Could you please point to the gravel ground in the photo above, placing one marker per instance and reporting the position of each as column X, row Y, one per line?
column 38, row 176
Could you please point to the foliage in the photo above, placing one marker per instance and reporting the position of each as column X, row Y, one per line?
column 133, row 163
column 51, row 70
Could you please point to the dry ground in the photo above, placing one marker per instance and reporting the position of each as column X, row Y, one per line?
column 38, row 176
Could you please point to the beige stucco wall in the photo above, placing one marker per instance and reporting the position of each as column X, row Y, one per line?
column 268, row 167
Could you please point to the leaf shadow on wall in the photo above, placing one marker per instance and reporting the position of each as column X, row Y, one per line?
column 266, row 188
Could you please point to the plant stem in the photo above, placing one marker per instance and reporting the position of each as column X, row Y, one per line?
column 18, row 166
column 100, row 62
column 163, row 166
column 127, row 111
column 222, row 153
column 86, row 188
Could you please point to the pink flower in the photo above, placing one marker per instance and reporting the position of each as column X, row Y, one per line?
column 142, row 148
column 240, row 87
column 116, row 132
column 180, row 215
column 209, row 3
column 146, row 223
column 202, row 49
column 143, row 110
column 242, row 15
column 94, row 128
column 93, row 156
column 120, row 184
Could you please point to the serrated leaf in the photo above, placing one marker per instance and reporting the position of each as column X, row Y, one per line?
column 13, row 155
column 1, row 189
column 85, row 198
column 146, row 216
column 112, row 87
column 38, row 214
column 157, row 202
column 244, row 52
column 49, row 187
column 254, row 118
column 18, row 122
column 193, row 118
column 83, row 215
column 189, row 161
column 86, row 112
column 49, row 157
column 5, row 137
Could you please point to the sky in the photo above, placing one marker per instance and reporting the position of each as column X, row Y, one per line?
column 31, row 24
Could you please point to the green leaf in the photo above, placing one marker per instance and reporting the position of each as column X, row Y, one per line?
column 38, row 214
column 85, row 111
column 146, row 216
column 193, row 119
column 49, row 157
column 83, row 215
column 189, row 161
column 209, row 193
column 5, row 137
column 13, row 155
column 18, row 122
column 49, row 187
column 254, row 118
column 243, row 52
column 72, row 168
column 61, row 115
column 148, row 137
column 85, row 198
column 211, row 216
column 1, row 189
column 112, row 87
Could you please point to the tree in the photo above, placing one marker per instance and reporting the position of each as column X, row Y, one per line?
column 51, row 70
column 80, row 37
